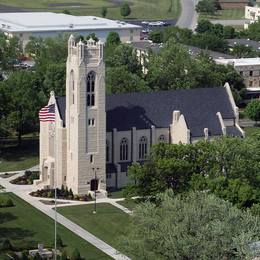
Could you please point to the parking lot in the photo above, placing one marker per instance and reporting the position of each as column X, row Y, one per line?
column 149, row 26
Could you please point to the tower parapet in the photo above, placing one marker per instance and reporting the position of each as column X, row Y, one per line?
column 89, row 51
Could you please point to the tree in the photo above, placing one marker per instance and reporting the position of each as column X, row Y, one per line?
column 156, row 36
column 104, row 11
column 171, row 68
column 24, row 98
column 93, row 36
column 121, row 80
column 55, row 79
column 66, row 11
column 206, row 6
column 204, row 26
column 113, row 39
column 10, row 51
column 75, row 255
column 229, row 32
column 253, row 31
column 242, row 51
column 5, row 245
column 253, row 110
column 184, row 227
column 125, row 10
column 124, row 55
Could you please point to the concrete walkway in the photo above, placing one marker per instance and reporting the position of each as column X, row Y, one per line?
column 23, row 191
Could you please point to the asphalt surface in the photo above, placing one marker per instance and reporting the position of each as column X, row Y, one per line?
column 188, row 18
column 229, row 22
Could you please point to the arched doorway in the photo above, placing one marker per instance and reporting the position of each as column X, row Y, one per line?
column 94, row 184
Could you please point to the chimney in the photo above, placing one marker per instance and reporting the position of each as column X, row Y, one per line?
column 176, row 116
column 206, row 133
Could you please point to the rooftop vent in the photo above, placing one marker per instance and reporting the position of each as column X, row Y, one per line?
column 71, row 25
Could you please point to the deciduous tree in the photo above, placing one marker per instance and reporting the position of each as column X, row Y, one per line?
column 196, row 226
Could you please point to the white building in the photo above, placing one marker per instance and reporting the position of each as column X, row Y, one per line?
column 97, row 136
column 252, row 14
column 46, row 24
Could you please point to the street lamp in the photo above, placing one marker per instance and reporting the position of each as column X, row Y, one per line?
column 95, row 189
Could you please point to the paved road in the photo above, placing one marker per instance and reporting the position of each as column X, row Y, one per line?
column 188, row 18
column 23, row 191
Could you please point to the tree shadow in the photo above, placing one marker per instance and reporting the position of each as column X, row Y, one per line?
column 5, row 217
column 15, row 233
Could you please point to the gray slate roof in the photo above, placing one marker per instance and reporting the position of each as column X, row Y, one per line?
column 193, row 51
column 142, row 110
column 249, row 43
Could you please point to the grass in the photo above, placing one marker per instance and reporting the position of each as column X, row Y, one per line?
column 252, row 131
column 108, row 224
column 15, row 158
column 141, row 9
column 116, row 194
column 128, row 203
column 25, row 226
column 232, row 14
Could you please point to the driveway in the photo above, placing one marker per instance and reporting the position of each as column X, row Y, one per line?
column 189, row 17
column 229, row 22
column 23, row 191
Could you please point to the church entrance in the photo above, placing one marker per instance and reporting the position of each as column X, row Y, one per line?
column 94, row 184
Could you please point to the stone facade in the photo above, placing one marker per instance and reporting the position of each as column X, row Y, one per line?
column 84, row 153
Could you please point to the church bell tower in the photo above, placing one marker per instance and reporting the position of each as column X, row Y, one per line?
column 85, row 117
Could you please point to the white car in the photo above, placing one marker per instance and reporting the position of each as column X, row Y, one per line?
column 158, row 23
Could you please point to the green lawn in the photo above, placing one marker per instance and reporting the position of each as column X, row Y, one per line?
column 25, row 226
column 108, row 224
column 116, row 194
column 14, row 157
column 232, row 14
column 141, row 9
column 252, row 131
column 130, row 204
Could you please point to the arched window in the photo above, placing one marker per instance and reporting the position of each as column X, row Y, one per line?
column 142, row 148
column 107, row 151
column 72, row 87
column 91, row 89
column 162, row 139
column 124, row 149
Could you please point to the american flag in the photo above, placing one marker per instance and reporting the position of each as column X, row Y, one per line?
column 47, row 114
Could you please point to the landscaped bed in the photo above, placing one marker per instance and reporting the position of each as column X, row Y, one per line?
column 62, row 193
column 27, row 178
column 7, row 175
column 25, row 227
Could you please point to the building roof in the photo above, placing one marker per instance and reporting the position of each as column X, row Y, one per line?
column 193, row 51
column 233, row 1
column 239, row 62
column 143, row 110
column 47, row 21
column 247, row 42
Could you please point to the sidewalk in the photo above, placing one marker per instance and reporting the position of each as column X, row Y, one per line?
column 23, row 191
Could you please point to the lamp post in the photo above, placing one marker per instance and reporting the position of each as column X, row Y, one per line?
column 95, row 189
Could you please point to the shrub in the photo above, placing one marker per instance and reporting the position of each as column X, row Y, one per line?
column 5, row 245
column 75, row 255
column 9, row 203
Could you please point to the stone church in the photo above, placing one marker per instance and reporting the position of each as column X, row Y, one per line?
column 95, row 137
